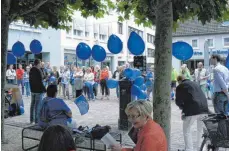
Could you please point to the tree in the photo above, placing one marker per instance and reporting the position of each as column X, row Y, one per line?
column 43, row 13
column 166, row 15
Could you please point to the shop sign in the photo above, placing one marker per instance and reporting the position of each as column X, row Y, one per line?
column 219, row 52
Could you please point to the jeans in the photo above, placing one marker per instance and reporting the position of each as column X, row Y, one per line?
column 27, row 88
column 65, row 89
column 95, row 89
column 10, row 81
column 73, row 91
column 187, row 124
column 117, row 91
column 35, row 107
column 220, row 102
column 90, row 93
column 21, row 82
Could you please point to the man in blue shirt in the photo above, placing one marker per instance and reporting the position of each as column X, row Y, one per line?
column 221, row 76
column 54, row 110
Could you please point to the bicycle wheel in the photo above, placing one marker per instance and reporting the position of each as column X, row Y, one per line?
column 206, row 145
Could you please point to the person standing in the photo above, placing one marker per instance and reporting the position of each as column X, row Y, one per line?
column 65, row 82
column 55, row 74
column 173, row 82
column 60, row 79
column 201, row 77
column 97, row 80
column 72, row 81
column 48, row 70
column 37, row 90
column 78, row 75
column 116, row 77
column 221, row 77
column 103, row 77
column 193, row 103
column 150, row 82
column 20, row 76
column 26, row 81
column 89, row 82
column 185, row 72
column 11, row 75
column 44, row 74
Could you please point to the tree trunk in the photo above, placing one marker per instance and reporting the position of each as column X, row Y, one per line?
column 163, row 65
column 4, row 45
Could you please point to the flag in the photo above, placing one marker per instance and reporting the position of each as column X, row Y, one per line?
column 82, row 104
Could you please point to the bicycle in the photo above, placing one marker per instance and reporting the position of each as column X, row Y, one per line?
column 216, row 134
column 8, row 98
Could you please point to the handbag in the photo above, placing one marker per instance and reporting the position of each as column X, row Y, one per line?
column 98, row 131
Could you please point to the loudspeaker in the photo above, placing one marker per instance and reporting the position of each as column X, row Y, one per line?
column 140, row 63
column 124, row 99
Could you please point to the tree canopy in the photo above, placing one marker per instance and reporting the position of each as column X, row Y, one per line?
column 144, row 11
column 54, row 13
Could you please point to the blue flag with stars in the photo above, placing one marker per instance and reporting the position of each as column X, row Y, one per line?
column 82, row 104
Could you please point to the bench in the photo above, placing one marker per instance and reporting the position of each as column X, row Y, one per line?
column 34, row 133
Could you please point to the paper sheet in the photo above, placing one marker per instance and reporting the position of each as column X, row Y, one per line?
column 109, row 140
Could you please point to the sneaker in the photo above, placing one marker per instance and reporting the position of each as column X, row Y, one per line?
column 102, row 98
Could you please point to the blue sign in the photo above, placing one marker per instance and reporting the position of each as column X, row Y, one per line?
column 82, row 104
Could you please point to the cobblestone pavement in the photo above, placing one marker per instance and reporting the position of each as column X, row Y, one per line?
column 103, row 112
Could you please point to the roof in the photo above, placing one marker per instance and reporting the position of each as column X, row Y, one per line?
column 195, row 27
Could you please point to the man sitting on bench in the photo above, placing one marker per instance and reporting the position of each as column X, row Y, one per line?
column 54, row 110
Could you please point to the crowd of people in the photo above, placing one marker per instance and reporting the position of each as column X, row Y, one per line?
column 191, row 96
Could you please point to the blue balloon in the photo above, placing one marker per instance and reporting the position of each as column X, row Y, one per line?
column 114, row 44
column 112, row 83
column 135, row 90
column 143, row 87
column 22, row 110
column 11, row 59
column 135, row 44
column 52, row 79
column 98, row 53
column 182, row 50
column 142, row 96
column 35, row 46
column 18, row 49
column 139, row 81
column 227, row 61
column 136, row 73
column 83, row 51
column 128, row 72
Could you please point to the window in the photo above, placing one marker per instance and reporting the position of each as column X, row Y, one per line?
column 86, row 34
column 102, row 37
column 120, row 28
column 226, row 41
column 195, row 43
column 210, row 43
column 139, row 32
column 150, row 38
column 150, row 52
column 78, row 32
column 95, row 35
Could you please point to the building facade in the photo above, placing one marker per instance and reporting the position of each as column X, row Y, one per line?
column 59, row 46
column 214, row 34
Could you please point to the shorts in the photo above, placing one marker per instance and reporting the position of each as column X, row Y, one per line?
column 173, row 84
